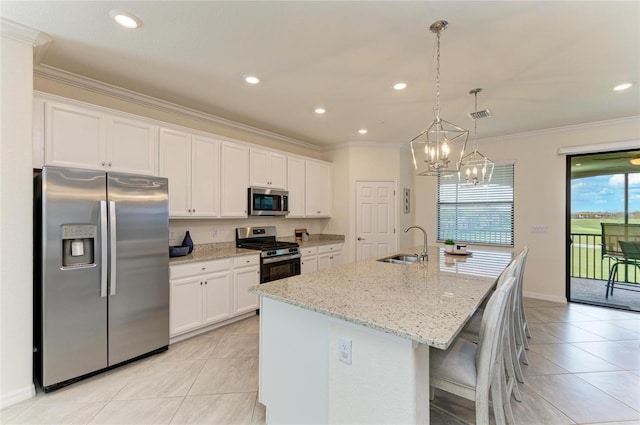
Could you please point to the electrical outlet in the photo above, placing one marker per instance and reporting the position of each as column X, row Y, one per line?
column 215, row 232
column 172, row 235
column 344, row 350
column 539, row 229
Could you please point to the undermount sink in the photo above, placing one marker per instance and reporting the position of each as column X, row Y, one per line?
column 400, row 259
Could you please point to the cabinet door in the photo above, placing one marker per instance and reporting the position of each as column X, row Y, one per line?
column 318, row 196
column 258, row 168
column 324, row 261
column 205, row 177
column 216, row 298
column 185, row 305
column 234, row 180
column 295, row 186
column 277, row 170
column 243, row 279
column 132, row 146
column 74, row 137
column 308, row 264
column 175, row 164
column 336, row 258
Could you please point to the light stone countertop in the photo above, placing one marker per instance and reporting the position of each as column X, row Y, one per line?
column 221, row 250
column 428, row 303
column 210, row 252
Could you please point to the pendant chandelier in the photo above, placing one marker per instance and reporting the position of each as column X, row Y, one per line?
column 476, row 168
column 440, row 148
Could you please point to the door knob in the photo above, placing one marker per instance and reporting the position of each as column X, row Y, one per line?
column 360, row 239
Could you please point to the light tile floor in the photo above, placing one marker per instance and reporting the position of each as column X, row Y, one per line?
column 584, row 368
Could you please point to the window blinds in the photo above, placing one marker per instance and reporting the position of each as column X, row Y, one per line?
column 477, row 214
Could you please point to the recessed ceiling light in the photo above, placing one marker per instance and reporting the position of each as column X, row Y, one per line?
column 362, row 131
column 578, row 165
column 635, row 161
column 400, row 85
column 251, row 79
column 320, row 110
column 125, row 19
column 623, row 86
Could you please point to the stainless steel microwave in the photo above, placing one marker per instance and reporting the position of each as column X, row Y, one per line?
column 263, row 201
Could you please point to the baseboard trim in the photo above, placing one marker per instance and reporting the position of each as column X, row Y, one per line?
column 545, row 297
column 17, row 396
column 190, row 334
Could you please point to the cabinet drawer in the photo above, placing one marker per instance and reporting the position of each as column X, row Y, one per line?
column 249, row 260
column 329, row 248
column 309, row 251
column 202, row 267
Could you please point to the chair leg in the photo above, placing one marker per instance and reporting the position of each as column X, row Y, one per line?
column 513, row 362
column 612, row 275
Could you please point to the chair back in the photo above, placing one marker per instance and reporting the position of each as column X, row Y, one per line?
column 614, row 233
column 489, row 353
column 631, row 250
column 521, row 260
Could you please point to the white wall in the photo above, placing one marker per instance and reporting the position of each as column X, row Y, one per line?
column 540, row 195
column 16, row 263
column 355, row 162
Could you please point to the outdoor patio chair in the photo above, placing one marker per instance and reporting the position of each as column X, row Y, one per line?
column 621, row 243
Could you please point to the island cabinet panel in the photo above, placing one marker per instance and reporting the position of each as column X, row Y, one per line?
column 296, row 186
column 234, row 167
column 386, row 382
column 268, row 169
column 84, row 137
column 246, row 273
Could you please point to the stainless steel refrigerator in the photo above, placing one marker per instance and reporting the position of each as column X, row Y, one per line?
column 101, row 285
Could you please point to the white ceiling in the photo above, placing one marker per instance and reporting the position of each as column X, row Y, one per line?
column 541, row 64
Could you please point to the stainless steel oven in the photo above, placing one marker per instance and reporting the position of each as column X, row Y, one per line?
column 278, row 259
column 279, row 267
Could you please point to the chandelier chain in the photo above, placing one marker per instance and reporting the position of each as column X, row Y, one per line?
column 438, row 74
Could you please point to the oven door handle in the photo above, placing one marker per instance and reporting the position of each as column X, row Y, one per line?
column 280, row 258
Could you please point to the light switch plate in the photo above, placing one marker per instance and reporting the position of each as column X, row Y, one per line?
column 344, row 350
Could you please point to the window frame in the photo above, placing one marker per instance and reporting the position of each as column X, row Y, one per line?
column 475, row 202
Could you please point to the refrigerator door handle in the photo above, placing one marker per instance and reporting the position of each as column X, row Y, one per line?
column 112, row 245
column 103, row 243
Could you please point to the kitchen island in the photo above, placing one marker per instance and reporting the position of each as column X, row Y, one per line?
column 351, row 344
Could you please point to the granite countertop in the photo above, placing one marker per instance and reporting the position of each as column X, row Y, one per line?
column 428, row 303
column 209, row 252
column 221, row 250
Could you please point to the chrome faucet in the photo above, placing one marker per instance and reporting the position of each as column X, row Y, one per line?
column 424, row 256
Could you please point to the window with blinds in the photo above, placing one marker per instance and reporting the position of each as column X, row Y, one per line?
column 477, row 214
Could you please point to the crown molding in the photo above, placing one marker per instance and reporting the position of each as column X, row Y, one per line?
column 371, row 145
column 557, row 130
column 23, row 33
column 95, row 86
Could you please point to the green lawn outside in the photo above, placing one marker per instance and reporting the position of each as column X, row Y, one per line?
column 586, row 258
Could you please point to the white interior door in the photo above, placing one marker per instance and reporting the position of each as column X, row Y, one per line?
column 375, row 219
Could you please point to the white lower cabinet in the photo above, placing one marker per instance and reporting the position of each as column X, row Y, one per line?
column 246, row 273
column 329, row 256
column 208, row 292
column 309, row 260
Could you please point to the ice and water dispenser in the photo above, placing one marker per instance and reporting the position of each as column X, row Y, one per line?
column 78, row 242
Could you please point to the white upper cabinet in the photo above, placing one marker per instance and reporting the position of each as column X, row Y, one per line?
column 295, row 186
column 234, row 179
column 74, row 137
column 267, row 169
column 205, row 177
column 191, row 163
column 86, row 138
column 175, row 165
column 318, row 189
column 132, row 146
